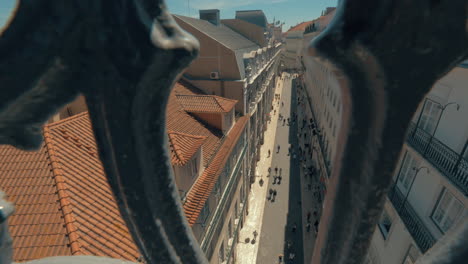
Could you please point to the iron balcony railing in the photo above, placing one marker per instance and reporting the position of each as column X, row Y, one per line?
column 421, row 235
column 449, row 162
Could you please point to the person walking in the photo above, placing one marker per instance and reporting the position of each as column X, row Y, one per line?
column 278, row 148
column 308, row 227
column 276, row 170
column 271, row 193
column 269, row 153
column 279, row 179
column 294, row 228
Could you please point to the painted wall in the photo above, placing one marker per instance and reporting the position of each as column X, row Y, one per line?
column 393, row 249
column 213, row 57
column 183, row 174
column 212, row 119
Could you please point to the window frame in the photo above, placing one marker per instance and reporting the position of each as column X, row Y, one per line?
column 407, row 173
column 446, row 212
column 385, row 216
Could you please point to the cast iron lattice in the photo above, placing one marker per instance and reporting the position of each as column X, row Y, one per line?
column 124, row 56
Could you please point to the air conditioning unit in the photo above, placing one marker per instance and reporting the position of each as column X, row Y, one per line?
column 214, row 75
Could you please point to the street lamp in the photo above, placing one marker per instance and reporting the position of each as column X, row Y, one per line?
column 438, row 121
column 411, row 185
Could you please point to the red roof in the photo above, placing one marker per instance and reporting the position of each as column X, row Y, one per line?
column 64, row 205
column 202, row 188
column 205, row 103
column 301, row 26
column 183, row 146
column 178, row 120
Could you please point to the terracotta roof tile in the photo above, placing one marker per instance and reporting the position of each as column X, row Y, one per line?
column 301, row 26
column 197, row 196
column 64, row 205
column 205, row 103
column 183, row 146
column 178, row 120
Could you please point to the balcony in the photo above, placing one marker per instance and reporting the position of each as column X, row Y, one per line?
column 449, row 162
column 421, row 235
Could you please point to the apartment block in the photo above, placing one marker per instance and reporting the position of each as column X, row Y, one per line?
column 236, row 63
column 428, row 197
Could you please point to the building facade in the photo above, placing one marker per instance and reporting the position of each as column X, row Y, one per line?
column 430, row 188
column 430, row 185
column 62, row 189
column 238, row 64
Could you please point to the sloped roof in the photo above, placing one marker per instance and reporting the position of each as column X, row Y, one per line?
column 183, row 146
column 202, row 188
column 220, row 33
column 64, row 205
column 205, row 103
column 256, row 17
column 178, row 120
column 301, row 26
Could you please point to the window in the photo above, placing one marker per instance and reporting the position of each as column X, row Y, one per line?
column 205, row 213
column 236, row 210
column 447, row 211
column 221, row 253
column 411, row 256
column 230, row 228
column 194, row 166
column 217, row 189
column 408, row 171
column 429, row 116
column 385, row 223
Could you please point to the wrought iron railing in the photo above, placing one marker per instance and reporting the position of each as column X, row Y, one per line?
column 124, row 56
column 450, row 163
column 421, row 235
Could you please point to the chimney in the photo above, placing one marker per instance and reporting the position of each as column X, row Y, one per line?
column 210, row 15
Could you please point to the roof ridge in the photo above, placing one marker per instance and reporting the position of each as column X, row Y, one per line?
column 59, row 179
column 211, row 175
column 185, row 134
column 66, row 119
column 175, row 148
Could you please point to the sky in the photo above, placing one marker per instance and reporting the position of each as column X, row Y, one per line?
column 291, row 12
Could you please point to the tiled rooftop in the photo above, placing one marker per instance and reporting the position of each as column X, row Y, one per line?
column 183, row 146
column 178, row 120
column 205, row 103
column 202, row 188
column 64, row 205
column 301, row 26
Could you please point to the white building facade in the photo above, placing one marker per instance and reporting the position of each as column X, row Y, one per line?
column 429, row 194
column 428, row 197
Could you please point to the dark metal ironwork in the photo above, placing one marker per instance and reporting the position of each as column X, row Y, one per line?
column 124, row 56
column 453, row 165
column 421, row 235
column 390, row 54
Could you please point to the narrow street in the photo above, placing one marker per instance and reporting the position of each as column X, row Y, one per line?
column 281, row 229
